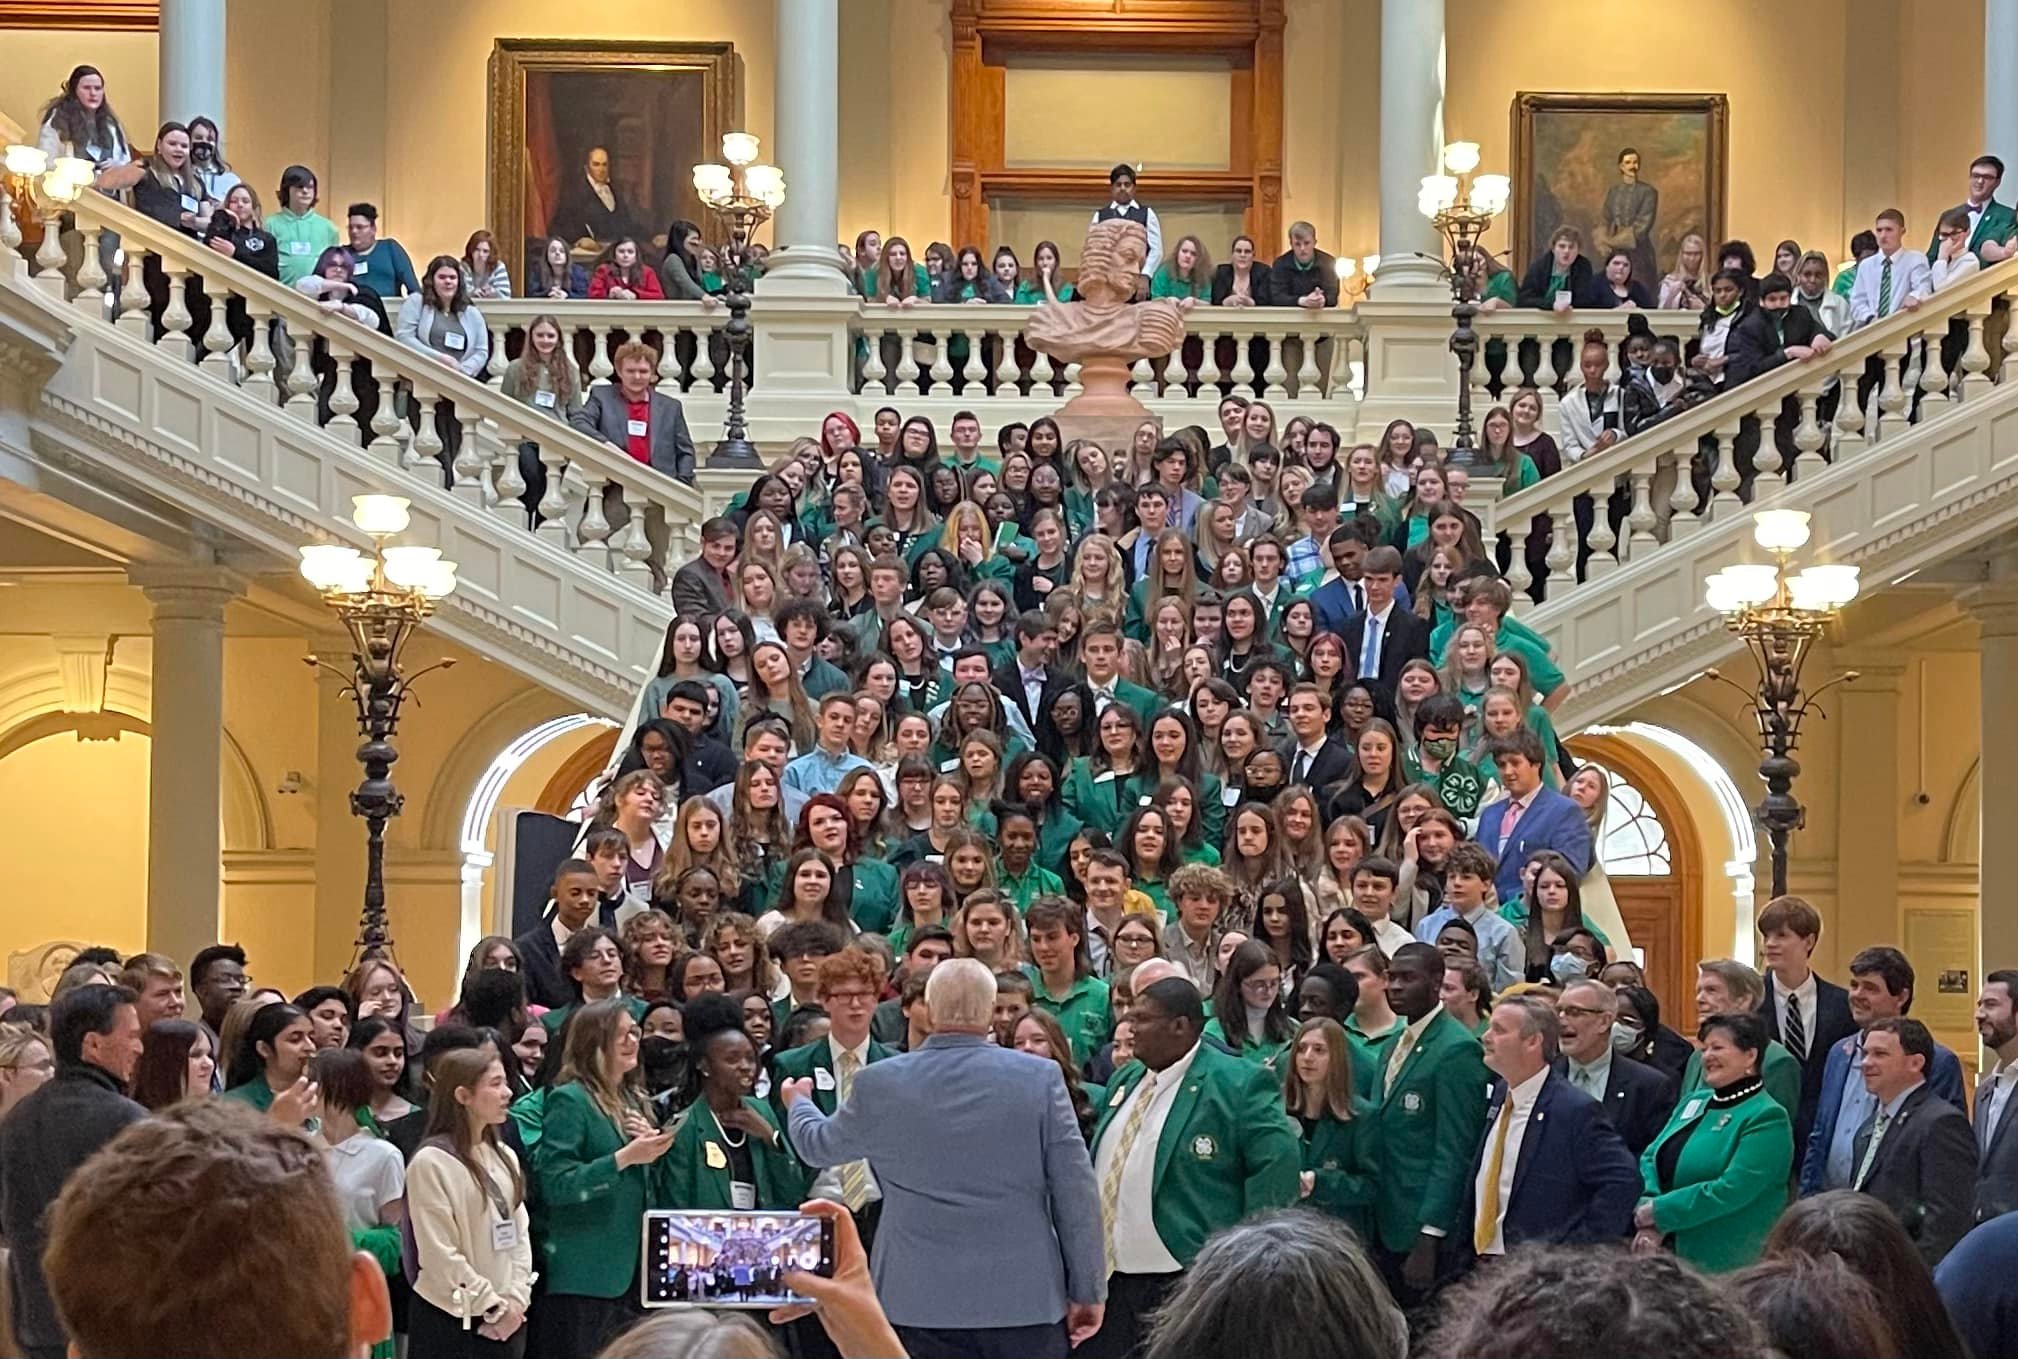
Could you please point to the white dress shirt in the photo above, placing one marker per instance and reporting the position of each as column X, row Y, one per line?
column 1137, row 1247
column 1523, row 1097
column 827, row 1184
column 1303, row 752
column 1803, row 996
column 1372, row 632
column 1911, row 277
column 1947, row 273
column 1997, row 1093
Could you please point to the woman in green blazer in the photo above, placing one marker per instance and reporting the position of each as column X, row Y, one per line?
column 1099, row 788
column 596, row 1169
column 1172, row 750
column 1716, row 1177
column 1339, row 1161
column 1247, row 1010
column 729, row 1152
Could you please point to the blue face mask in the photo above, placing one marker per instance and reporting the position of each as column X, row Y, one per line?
column 1624, row 1037
column 1567, row 967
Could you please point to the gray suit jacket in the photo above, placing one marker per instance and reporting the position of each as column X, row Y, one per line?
column 1997, row 1167
column 606, row 416
column 991, row 1216
column 1924, row 1171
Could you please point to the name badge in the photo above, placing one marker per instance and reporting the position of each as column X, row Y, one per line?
column 1142, row 801
column 189, row 203
column 948, row 766
column 636, row 428
column 544, row 399
column 1114, row 1102
column 1229, row 796
column 742, row 1196
column 1695, row 1107
column 504, row 1235
column 1563, row 298
column 297, row 247
column 717, row 1159
column 823, row 1079
column 1107, row 777
column 455, row 340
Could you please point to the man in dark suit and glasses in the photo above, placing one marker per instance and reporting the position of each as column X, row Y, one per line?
column 1029, row 680
column 1636, row 1098
column 1807, row 1014
column 1380, row 641
column 1550, row 1167
column 1997, row 1096
column 1916, row 1153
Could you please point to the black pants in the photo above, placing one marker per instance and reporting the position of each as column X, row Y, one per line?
column 806, row 1338
column 435, row 1334
column 1131, row 1300
column 1450, row 1259
column 574, row 1327
column 986, row 1342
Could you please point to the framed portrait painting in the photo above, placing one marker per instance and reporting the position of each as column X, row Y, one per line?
column 594, row 141
column 1633, row 172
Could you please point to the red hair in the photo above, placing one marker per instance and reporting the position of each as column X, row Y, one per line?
column 854, row 431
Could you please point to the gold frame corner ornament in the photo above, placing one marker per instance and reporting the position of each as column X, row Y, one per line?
column 512, row 59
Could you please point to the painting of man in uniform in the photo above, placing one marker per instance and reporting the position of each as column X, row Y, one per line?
column 1631, row 172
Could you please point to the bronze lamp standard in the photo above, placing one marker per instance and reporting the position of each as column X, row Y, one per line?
column 742, row 196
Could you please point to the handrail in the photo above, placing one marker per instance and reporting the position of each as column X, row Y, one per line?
column 1670, row 446
column 512, row 421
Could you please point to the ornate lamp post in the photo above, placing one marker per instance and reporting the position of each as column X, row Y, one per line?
column 382, row 597
column 1461, row 207
column 742, row 196
column 1779, row 617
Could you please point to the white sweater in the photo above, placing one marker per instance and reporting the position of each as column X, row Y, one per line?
column 452, row 1217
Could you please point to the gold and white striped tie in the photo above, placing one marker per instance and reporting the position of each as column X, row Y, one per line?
column 1110, row 1188
column 854, row 1174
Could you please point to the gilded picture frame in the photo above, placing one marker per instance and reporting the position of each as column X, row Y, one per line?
column 1569, row 168
column 656, row 108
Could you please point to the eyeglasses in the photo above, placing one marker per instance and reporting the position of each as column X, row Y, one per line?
column 851, row 998
column 1260, row 986
column 1577, row 1012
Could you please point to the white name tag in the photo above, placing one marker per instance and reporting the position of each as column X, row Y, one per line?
column 504, row 1236
column 1695, row 1107
column 455, row 340
column 636, row 428
column 1563, row 298
column 948, row 766
column 545, row 399
column 1229, row 796
column 742, row 1196
column 823, row 1079
column 189, row 203
column 1107, row 777
column 297, row 247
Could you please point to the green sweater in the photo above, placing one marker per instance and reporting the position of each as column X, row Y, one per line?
column 300, row 239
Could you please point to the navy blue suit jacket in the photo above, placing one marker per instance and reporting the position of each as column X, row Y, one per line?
column 1551, row 821
column 1332, row 603
column 1575, row 1180
column 1944, row 1078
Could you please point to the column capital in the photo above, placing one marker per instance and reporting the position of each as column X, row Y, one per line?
column 1994, row 606
column 1878, row 672
column 189, row 593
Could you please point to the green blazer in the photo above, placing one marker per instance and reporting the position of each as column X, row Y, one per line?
column 1780, row 1070
column 1054, row 834
column 1998, row 223
column 1431, row 1119
column 1730, row 1181
column 697, row 1165
column 873, row 904
column 1344, row 1160
column 805, row 1063
column 1228, row 1149
column 1369, row 1059
column 553, row 1021
column 1135, row 621
column 1251, row 1050
column 594, row 1212
column 1211, row 806
column 1146, row 702
column 1099, row 802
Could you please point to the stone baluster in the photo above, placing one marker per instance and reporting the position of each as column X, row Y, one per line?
column 1042, row 375
column 1243, row 370
column 1518, row 577
column 218, row 342
column 1975, row 363
column 12, row 264
column 1142, row 380
column 1072, row 384
column 1640, row 519
column 176, row 318
column 1545, row 361
column 508, row 484
column 424, row 451
column 343, row 402
column 469, row 463
column 1008, row 376
column 387, row 429
column 669, row 365
column 907, row 365
column 1767, row 472
column 941, row 371
column 1309, row 380
column 1173, row 372
column 495, row 365
column 633, row 557
column 1724, row 478
column 49, row 261
column 91, row 279
column 704, row 361
column 1208, row 365
column 301, row 382
column 133, row 317
column 1808, row 438
column 1891, row 395
column 1603, row 539
column 259, row 351
column 600, row 367
column 973, row 373
column 1274, row 375
column 553, row 506
column 1682, row 519
column 874, row 372
column 592, row 535
column 1562, row 556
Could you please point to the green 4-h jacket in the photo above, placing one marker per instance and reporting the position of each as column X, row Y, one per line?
column 1430, row 1119
column 1228, row 1148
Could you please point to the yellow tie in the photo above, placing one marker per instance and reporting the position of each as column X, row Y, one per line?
column 1403, row 1046
column 854, row 1174
column 1488, row 1202
column 1110, row 1188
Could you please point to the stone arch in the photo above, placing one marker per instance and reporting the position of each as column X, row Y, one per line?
column 448, row 796
column 1962, row 833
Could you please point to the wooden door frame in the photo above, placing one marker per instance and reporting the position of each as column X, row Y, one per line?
column 1685, row 855
column 1249, row 32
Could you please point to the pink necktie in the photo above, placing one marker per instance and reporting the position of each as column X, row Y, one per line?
column 1506, row 826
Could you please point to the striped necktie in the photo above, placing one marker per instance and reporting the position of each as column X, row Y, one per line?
column 1885, row 289
column 1110, row 1188
column 854, row 1174
column 1878, row 1126
column 1796, row 1031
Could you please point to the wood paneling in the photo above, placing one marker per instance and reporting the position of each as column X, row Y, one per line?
column 1247, row 32
column 144, row 15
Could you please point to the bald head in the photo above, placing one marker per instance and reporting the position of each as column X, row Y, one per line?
column 1150, row 971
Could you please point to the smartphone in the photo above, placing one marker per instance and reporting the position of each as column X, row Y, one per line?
column 722, row 1258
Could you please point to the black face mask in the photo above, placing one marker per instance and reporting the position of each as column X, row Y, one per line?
column 664, row 1061
column 202, row 151
column 1662, row 373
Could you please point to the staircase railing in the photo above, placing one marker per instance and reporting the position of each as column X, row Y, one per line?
column 586, row 478
column 1921, row 364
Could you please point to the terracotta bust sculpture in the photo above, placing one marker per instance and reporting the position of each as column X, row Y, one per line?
column 1103, row 332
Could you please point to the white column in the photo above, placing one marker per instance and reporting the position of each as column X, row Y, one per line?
column 808, row 115
column 2000, row 79
column 192, row 60
column 1995, row 608
column 185, row 760
column 1411, row 124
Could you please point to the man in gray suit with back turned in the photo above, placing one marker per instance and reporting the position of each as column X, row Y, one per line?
column 991, row 1244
